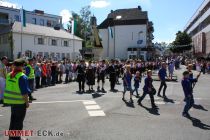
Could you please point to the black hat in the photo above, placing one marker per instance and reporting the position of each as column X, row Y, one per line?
column 30, row 59
column 19, row 62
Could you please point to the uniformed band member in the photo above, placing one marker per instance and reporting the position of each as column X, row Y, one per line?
column 162, row 76
column 148, row 89
column 188, row 92
column 101, row 72
column 16, row 95
column 29, row 71
column 81, row 76
column 112, row 76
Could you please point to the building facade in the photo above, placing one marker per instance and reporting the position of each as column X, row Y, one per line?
column 126, row 33
column 198, row 28
column 39, row 40
column 43, row 36
column 10, row 15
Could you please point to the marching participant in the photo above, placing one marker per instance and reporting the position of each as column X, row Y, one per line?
column 188, row 92
column 81, row 68
column 162, row 76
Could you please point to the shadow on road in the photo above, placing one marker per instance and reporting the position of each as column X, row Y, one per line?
column 129, row 104
column 199, row 107
column 197, row 123
column 167, row 100
column 153, row 111
column 97, row 95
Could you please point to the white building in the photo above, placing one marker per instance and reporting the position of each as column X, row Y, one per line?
column 40, row 40
column 198, row 28
column 38, row 37
column 10, row 15
column 126, row 33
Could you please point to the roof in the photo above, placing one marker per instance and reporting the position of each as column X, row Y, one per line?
column 43, row 30
column 133, row 16
column 31, row 12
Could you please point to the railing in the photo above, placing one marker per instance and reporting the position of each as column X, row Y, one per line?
column 4, row 21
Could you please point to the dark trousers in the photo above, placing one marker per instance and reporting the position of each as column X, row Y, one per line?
column 18, row 113
column 112, row 83
column 31, row 86
column 189, row 104
column 37, row 82
column 81, row 85
column 53, row 79
column 164, row 86
column 43, row 81
column 67, row 76
column 151, row 98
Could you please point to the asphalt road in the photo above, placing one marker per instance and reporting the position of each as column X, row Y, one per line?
column 66, row 115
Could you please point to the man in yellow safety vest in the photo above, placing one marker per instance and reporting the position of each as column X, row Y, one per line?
column 16, row 95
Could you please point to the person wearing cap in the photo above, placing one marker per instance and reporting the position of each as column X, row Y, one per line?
column 162, row 76
column 16, row 95
column 188, row 92
column 31, row 76
column 3, row 72
column 148, row 89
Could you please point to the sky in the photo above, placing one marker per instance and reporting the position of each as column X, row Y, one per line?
column 168, row 16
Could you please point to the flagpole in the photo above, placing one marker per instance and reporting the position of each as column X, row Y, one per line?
column 21, row 32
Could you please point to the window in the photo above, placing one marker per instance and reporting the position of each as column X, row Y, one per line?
column 63, row 55
column 49, row 23
column 68, row 55
column 41, row 41
column 65, row 43
column 42, row 22
column 33, row 20
column 17, row 18
column 5, row 39
column 54, row 42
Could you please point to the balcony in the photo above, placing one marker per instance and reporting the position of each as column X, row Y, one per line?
column 4, row 21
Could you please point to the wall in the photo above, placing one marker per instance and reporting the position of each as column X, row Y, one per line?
column 29, row 43
column 125, row 37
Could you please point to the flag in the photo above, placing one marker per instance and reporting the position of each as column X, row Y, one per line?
column 73, row 25
column 23, row 17
column 110, row 32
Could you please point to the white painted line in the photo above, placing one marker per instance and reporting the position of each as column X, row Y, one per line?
column 52, row 102
column 160, row 102
column 92, row 107
column 96, row 113
column 1, row 115
column 89, row 103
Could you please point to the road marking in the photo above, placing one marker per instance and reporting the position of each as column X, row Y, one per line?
column 52, row 102
column 96, row 113
column 92, row 107
column 89, row 102
column 1, row 115
column 160, row 102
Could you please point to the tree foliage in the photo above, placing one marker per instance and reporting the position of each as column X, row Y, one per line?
column 182, row 42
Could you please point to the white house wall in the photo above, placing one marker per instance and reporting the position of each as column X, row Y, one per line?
column 29, row 43
column 125, row 36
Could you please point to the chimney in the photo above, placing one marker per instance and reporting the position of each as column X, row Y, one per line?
column 112, row 11
column 139, row 7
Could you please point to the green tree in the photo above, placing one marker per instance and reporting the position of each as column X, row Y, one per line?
column 182, row 42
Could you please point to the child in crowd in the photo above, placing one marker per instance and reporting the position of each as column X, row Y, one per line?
column 137, row 80
column 127, row 83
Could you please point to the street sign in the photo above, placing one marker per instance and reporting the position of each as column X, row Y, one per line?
column 139, row 42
